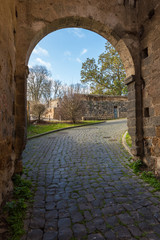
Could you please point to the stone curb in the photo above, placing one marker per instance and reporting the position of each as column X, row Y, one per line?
column 125, row 144
column 62, row 129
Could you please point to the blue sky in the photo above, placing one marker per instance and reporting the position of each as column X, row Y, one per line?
column 63, row 52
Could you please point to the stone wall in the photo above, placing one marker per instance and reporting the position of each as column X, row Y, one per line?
column 107, row 18
column 99, row 107
column 104, row 107
column 7, row 95
column 149, row 17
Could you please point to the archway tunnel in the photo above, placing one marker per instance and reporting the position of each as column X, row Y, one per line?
column 94, row 26
column 137, row 43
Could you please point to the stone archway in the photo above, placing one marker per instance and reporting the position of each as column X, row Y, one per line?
column 24, row 23
column 123, row 46
column 89, row 24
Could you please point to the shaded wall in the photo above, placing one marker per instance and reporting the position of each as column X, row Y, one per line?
column 149, row 18
column 7, row 95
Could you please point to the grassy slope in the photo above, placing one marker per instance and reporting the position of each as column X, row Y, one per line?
column 42, row 128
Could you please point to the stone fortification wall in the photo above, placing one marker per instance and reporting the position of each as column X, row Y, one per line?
column 104, row 107
column 149, row 18
column 98, row 107
column 7, row 95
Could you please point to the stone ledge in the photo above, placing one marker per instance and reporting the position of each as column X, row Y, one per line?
column 129, row 80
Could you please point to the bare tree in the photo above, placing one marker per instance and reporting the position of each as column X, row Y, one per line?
column 80, row 88
column 71, row 106
column 39, row 84
column 37, row 110
column 57, row 89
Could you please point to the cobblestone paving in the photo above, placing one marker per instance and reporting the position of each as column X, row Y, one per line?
column 84, row 189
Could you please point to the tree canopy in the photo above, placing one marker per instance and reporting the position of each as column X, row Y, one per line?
column 107, row 76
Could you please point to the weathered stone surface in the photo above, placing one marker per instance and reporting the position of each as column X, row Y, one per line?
column 65, row 233
column 50, row 236
column 7, row 96
column 37, row 222
column 97, row 236
column 79, row 230
column 35, row 234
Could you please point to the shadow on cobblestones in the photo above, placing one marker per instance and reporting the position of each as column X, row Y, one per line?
column 85, row 190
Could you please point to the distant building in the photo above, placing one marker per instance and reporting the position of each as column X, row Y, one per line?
column 52, row 110
column 98, row 107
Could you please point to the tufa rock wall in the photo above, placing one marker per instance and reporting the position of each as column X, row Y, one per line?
column 150, row 72
column 7, row 95
column 104, row 107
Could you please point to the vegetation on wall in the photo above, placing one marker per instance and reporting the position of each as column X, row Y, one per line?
column 16, row 208
column 148, row 176
column 128, row 140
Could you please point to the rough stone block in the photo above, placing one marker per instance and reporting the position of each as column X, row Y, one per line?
column 158, row 131
column 131, row 113
column 130, row 80
column 149, row 132
column 131, row 122
column 158, row 165
column 132, row 131
column 132, row 3
column 121, row 2
column 157, row 110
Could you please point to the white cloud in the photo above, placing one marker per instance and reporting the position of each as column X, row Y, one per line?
column 84, row 51
column 78, row 32
column 78, row 60
column 46, row 64
column 67, row 53
column 40, row 51
column 30, row 65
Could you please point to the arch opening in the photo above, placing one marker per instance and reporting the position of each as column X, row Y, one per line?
column 89, row 24
column 122, row 43
column 104, row 115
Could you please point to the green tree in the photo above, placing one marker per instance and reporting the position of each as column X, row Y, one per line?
column 107, row 76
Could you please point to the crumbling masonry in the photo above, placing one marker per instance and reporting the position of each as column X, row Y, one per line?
column 131, row 26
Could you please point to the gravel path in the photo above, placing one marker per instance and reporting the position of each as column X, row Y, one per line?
column 85, row 190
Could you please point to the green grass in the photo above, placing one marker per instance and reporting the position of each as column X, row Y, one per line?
column 128, row 140
column 33, row 130
column 150, row 178
column 136, row 166
column 16, row 208
column 147, row 176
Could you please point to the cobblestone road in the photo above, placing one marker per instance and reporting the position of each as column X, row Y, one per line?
column 84, row 190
